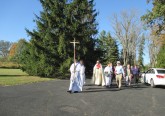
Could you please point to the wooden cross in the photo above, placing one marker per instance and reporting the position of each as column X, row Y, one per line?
column 74, row 44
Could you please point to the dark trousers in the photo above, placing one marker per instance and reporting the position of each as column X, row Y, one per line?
column 136, row 78
column 113, row 78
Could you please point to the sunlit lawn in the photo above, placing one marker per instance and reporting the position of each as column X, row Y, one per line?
column 10, row 77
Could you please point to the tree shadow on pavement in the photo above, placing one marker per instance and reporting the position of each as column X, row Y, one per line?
column 100, row 90
column 135, row 87
column 94, row 88
column 89, row 85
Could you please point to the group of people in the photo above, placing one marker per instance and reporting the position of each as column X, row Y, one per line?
column 102, row 76
column 105, row 76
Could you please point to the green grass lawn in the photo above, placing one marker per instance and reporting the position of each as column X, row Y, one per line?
column 10, row 77
column 12, row 72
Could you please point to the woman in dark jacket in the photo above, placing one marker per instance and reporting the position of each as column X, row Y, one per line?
column 136, row 73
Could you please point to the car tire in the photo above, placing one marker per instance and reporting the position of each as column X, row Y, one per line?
column 152, row 83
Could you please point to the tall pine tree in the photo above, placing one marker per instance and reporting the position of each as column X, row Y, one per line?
column 161, row 57
column 49, row 52
column 141, row 52
column 108, row 48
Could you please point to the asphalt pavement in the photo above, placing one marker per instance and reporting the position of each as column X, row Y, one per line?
column 51, row 99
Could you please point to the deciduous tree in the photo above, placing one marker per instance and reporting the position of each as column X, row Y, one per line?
column 128, row 31
column 4, row 48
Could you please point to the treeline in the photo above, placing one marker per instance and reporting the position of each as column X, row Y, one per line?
column 49, row 52
column 8, row 54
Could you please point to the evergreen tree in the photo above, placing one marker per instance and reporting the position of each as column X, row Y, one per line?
column 161, row 57
column 84, row 29
column 18, row 51
column 113, row 52
column 101, row 46
column 121, row 59
column 141, row 53
column 49, row 51
column 109, row 48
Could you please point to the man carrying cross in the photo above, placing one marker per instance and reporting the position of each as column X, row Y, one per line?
column 75, row 79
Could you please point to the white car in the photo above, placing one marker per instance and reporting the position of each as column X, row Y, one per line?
column 154, row 76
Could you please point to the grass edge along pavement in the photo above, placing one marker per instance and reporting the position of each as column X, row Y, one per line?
column 11, row 77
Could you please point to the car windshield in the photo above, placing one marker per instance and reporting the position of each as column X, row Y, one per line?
column 161, row 71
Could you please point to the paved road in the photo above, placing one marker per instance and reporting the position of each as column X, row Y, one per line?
column 51, row 99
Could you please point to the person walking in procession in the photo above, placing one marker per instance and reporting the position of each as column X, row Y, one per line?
column 75, row 79
column 119, row 71
column 98, row 74
column 108, row 74
column 136, row 73
column 128, row 75
column 82, row 73
column 113, row 74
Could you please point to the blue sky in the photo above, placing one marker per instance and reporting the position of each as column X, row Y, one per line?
column 109, row 7
column 16, row 15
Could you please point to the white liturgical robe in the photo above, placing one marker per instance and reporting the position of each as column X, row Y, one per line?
column 108, row 75
column 98, row 75
column 82, row 75
column 75, row 79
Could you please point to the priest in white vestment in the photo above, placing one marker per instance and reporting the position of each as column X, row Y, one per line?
column 98, row 74
column 75, row 79
column 108, row 74
column 82, row 73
